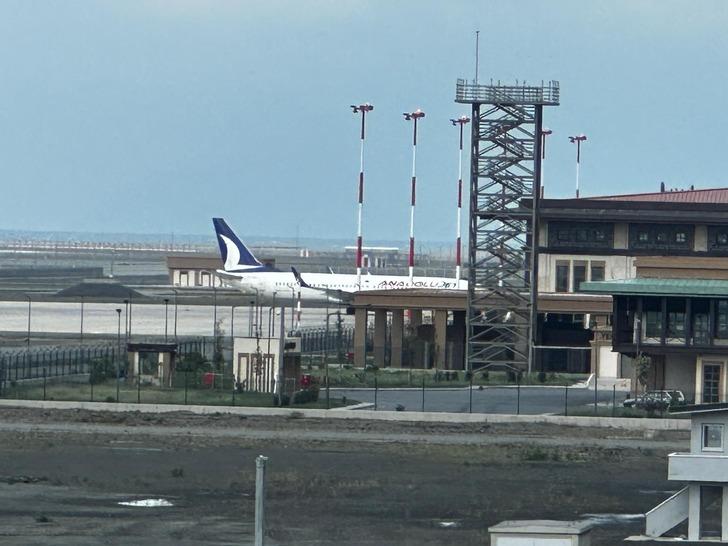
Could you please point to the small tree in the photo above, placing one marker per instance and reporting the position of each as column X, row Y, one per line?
column 643, row 365
column 218, row 360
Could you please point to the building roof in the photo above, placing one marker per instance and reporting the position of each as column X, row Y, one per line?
column 713, row 195
column 542, row 527
column 658, row 287
column 691, row 409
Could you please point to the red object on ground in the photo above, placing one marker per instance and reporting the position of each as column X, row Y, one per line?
column 306, row 380
column 208, row 379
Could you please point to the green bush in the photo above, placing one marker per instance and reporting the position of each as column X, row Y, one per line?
column 541, row 377
column 306, row 395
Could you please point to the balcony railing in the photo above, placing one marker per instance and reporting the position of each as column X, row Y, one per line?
column 697, row 467
column 469, row 92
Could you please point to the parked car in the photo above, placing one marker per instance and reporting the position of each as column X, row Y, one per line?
column 655, row 400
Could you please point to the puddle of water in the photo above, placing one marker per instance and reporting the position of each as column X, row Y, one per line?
column 147, row 503
column 613, row 519
column 448, row 524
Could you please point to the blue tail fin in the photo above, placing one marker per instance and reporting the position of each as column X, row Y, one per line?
column 235, row 255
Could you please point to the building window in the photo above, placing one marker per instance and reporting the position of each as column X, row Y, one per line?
column 652, row 320
column 579, row 274
column 711, row 383
column 562, row 277
column 701, row 331
column 718, row 238
column 675, row 321
column 597, row 271
column 580, row 235
column 712, row 437
column 721, row 319
column 660, row 236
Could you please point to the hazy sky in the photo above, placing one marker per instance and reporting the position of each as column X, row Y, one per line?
column 154, row 115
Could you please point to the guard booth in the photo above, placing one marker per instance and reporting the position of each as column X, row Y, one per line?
column 151, row 362
column 256, row 364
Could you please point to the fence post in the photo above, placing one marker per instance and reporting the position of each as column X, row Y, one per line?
column 423, row 390
column 518, row 394
column 139, row 383
column 186, row 387
column 470, row 394
column 614, row 399
column 376, row 390
column 44, row 384
column 91, row 380
column 566, row 400
column 260, row 462
column 596, row 392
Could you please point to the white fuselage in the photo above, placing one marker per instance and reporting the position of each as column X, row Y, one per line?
column 274, row 288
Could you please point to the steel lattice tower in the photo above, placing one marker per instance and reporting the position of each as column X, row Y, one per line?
column 505, row 165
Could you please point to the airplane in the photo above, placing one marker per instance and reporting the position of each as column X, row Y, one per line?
column 242, row 270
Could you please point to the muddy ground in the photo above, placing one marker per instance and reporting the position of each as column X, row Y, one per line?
column 63, row 473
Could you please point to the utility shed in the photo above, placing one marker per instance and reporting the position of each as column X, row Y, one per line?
column 541, row 532
column 704, row 500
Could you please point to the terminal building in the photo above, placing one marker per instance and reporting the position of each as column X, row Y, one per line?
column 664, row 257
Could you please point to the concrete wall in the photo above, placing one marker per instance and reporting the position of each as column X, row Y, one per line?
column 615, row 267
column 680, row 374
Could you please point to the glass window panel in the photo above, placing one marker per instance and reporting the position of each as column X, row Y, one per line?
column 721, row 319
column 579, row 275
column 713, row 436
column 711, row 383
column 562, row 278
column 597, row 272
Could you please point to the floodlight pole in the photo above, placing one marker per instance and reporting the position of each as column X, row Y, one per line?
column 460, row 122
column 413, row 116
column 578, row 139
column 362, row 109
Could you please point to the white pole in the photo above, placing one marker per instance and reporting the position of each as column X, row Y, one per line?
column 363, row 109
column 260, row 462
column 577, row 171
column 412, row 206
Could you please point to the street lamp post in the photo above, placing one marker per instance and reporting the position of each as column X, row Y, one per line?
column 175, row 315
column 166, row 317
column 362, row 109
column 460, row 122
column 27, row 341
column 118, row 358
column 81, row 340
column 578, row 139
column 413, row 116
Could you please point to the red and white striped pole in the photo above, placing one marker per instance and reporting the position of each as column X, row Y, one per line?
column 460, row 122
column 413, row 116
column 578, row 139
column 363, row 109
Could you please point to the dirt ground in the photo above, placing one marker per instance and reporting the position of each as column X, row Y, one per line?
column 330, row 482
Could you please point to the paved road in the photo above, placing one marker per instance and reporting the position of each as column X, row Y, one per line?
column 533, row 400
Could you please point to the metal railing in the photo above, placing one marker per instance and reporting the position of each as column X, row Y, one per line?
column 495, row 93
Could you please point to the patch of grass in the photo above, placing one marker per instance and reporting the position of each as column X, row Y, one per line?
column 391, row 377
column 148, row 394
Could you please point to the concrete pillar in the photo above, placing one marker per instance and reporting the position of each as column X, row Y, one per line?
column 415, row 317
column 694, row 512
column 380, row 337
column 397, row 337
column 439, row 321
column 360, row 337
column 458, row 338
column 724, row 516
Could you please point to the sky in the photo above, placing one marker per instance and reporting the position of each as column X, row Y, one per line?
column 152, row 116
